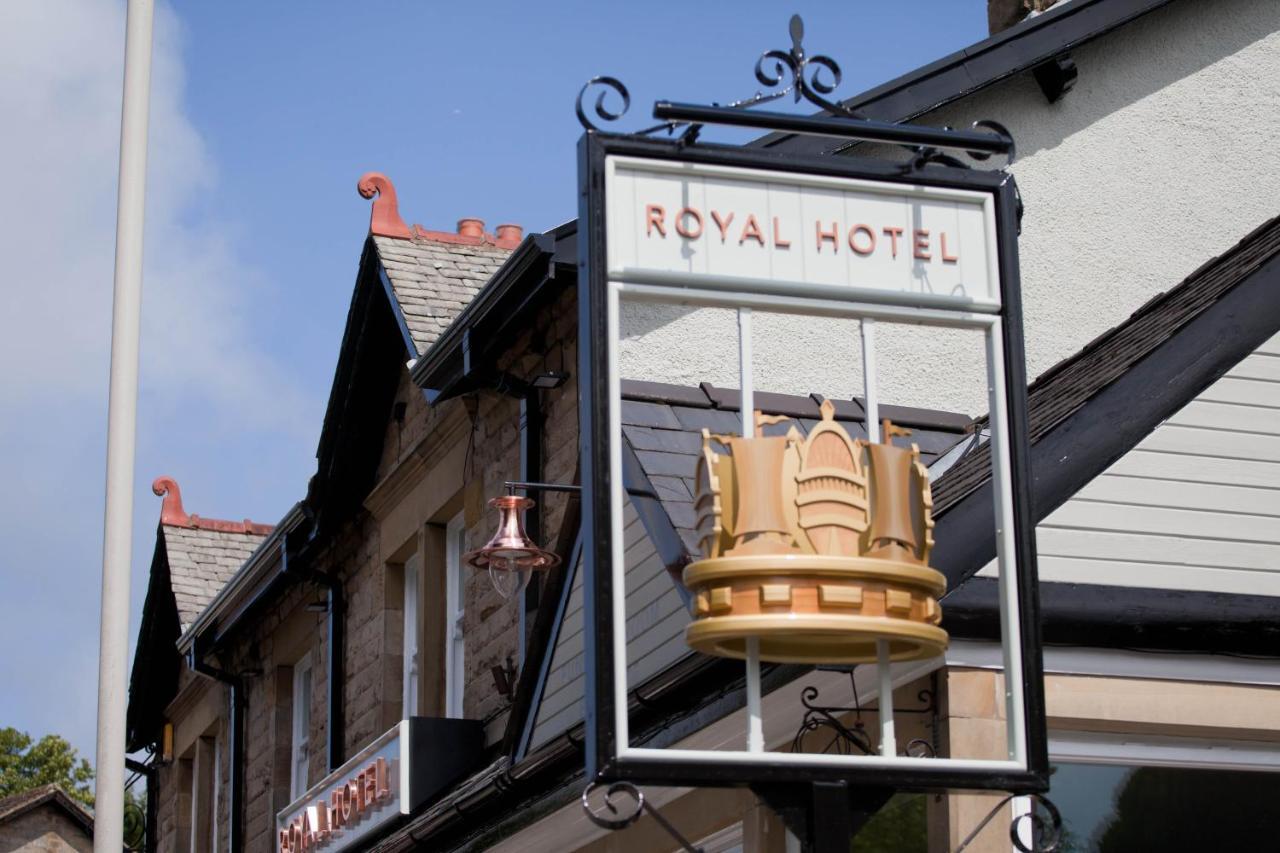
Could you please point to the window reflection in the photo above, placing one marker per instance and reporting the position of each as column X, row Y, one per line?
column 1112, row 809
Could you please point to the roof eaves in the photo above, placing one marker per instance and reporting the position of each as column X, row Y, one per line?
column 19, row 804
column 231, row 598
column 446, row 361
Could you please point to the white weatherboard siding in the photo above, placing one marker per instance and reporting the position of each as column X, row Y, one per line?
column 1196, row 505
column 1161, row 157
column 656, row 618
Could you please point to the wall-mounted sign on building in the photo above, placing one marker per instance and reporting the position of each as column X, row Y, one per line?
column 392, row 776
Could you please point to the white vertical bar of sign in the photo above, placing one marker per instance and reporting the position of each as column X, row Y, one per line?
column 888, row 738
column 1021, row 807
column 871, row 404
column 617, row 568
column 884, row 674
column 745, row 378
column 755, row 719
column 1006, row 547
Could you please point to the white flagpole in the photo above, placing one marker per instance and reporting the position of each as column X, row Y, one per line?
column 122, row 415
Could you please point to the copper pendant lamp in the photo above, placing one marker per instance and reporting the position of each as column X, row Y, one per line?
column 511, row 554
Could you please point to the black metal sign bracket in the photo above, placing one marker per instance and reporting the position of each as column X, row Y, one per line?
column 803, row 77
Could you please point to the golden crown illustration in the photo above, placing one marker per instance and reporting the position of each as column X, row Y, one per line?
column 816, row 546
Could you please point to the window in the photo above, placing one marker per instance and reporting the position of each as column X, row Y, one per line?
column 1122, row 808
column 454, row 585
column 204, row 795
column 301, row 727
column 412, row 629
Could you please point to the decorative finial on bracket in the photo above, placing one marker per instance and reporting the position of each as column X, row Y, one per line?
column 385, row 219
column 171, row 512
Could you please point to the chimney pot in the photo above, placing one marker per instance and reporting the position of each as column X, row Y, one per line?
column 471, row 227
column 510, row 234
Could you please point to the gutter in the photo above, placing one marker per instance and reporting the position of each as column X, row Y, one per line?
column 336, row 604
column 439, row 361
column 450, row 364
column 234, row 681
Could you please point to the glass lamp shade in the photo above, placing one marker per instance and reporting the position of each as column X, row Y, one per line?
column 511, row 549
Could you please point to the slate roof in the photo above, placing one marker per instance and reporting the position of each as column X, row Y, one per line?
column 202, row 560
column 1069, row 385
column 16, row 805
column 434, row 280
column 663, row 424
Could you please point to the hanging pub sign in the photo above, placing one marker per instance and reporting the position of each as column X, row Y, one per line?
column 815, row 543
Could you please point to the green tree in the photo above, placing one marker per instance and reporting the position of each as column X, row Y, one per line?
column 26, row 763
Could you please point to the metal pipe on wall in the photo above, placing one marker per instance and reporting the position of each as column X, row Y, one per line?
column 531, row 426
column 336, row 726
column 122, row 416
column 236, row 733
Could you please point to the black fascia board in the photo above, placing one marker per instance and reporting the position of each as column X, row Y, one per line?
column 153, row 679
column 1020, row 48
column 369, row 267
column 364, row 387
column 1117, row 417
column 1124, row 617
column 450, row 364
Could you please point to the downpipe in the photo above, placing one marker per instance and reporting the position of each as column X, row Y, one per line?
column 238, row 704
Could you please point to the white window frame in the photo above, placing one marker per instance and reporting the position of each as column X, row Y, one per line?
column 455, row 647
column 412, row 667
column 299, row 745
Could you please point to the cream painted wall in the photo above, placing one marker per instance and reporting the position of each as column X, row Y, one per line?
column 1161, row 157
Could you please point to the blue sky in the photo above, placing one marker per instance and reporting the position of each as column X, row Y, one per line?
column 264, row 115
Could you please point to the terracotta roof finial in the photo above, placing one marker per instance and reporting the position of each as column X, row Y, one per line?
column 385, row 219
column 171, row 512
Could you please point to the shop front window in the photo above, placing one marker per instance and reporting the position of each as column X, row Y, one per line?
column 1119, row 809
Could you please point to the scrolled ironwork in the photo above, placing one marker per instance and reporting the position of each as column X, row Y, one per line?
column 135, row 826
column 622, row 821
column 1046, row 834
column 810, row 78
column 609, row 85
column 920, row 748
column 846, row 739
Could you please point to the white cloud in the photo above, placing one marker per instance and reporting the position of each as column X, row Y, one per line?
column 206, row 381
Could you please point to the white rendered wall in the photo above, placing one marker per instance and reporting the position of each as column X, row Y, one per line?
column 1163, row 156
